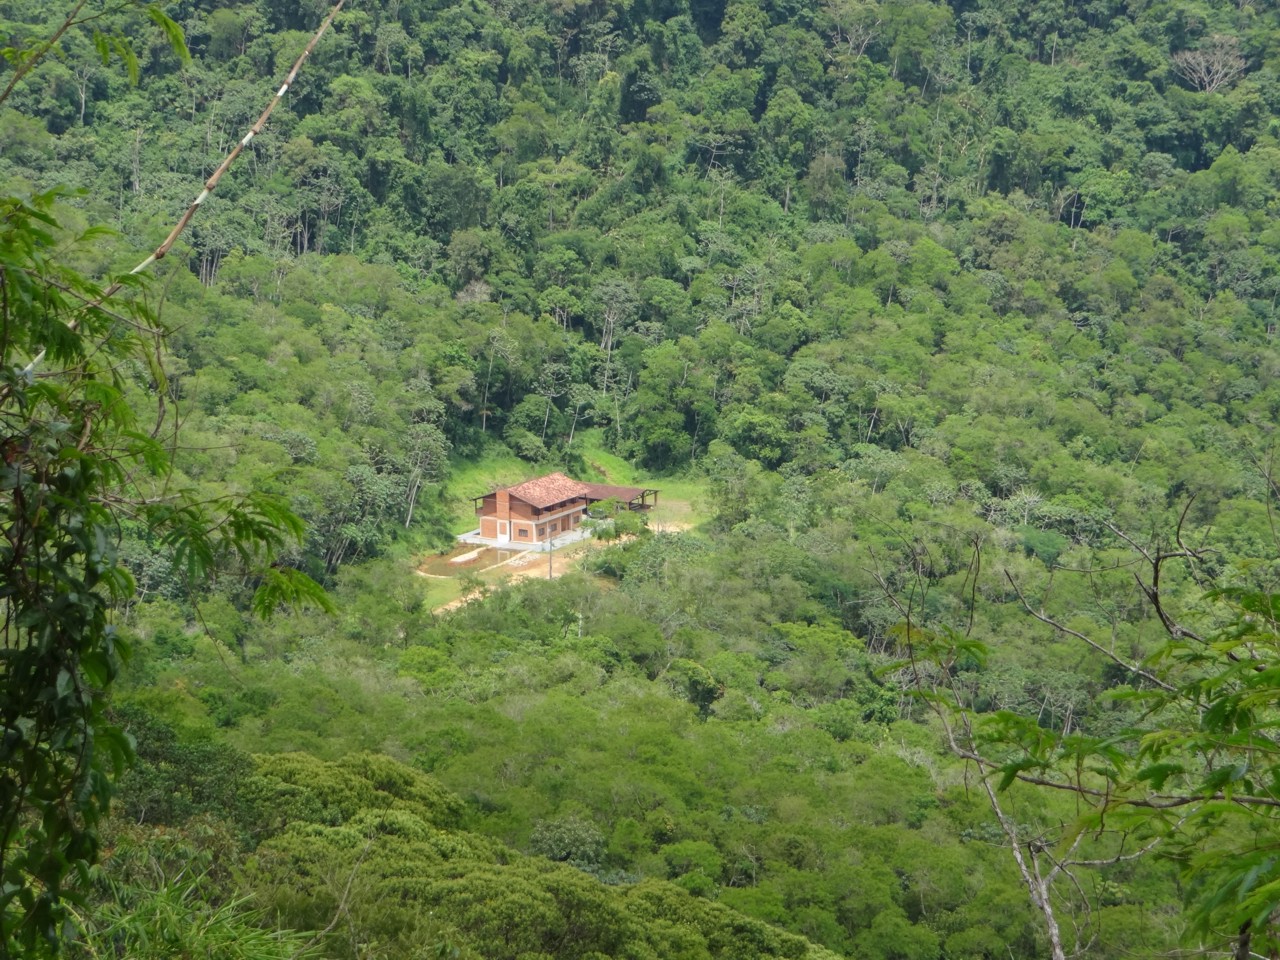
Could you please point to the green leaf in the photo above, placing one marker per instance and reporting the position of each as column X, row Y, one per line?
column 124, row 50
column 286, row 587
column 171, row 30
column 1157, row 774
column 102, row 44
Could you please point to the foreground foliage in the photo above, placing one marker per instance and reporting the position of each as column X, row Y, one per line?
column 371, row 853
column 1192, row 778
column 80, row 462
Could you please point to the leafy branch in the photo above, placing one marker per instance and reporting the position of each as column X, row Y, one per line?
column 74, row 464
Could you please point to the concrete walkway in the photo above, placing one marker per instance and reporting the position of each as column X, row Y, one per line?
column 555, row 543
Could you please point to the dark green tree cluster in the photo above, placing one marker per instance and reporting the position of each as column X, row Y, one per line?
column 707, row 722
column 372, row 854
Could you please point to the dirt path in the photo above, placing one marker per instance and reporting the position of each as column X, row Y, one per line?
column 455, row 604
column 534, row 565
column 671, row 526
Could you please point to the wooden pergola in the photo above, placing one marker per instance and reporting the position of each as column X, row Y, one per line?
column 635, row 498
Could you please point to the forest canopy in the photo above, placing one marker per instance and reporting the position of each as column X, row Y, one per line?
column 942, row 320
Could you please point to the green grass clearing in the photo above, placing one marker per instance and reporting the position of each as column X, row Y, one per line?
column 499, row 467
column 681, row 499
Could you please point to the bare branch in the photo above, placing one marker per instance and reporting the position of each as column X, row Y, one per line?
column 1157, row 561
column 1050, row 621
column 209, row 185
column 1214, row 65
column 36, row 56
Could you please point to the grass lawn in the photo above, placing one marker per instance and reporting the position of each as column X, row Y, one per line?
column 499, row 467
column 681, row 499
column 442, row 591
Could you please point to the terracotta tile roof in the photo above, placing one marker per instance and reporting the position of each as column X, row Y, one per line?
column 603, row 491
column 547, row 491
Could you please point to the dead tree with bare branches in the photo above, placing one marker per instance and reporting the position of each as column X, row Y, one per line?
column 1212, row 65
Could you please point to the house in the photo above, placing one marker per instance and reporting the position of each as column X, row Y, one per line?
column 535, row 511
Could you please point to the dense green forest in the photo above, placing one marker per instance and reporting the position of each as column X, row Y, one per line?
column 952, row 325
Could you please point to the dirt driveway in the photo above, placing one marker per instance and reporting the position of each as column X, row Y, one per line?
column 534, row 565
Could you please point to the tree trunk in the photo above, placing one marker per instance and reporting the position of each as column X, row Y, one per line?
column 484, row 400
column 1037, row 885
column 414, row 486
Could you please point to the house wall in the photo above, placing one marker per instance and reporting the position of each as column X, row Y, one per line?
column 528, row 524
column 574, row 508
column 520, row 509
column 562, row 522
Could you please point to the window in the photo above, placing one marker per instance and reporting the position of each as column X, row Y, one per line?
column 555, row 527
column 522, row 533
column 542, row 532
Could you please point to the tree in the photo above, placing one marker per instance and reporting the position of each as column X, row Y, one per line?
column 1212, row 65
column 614, row 301
column 1191, row 776
column 78, row 462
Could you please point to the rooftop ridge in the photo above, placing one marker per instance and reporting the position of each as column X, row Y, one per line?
column 547, row 490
